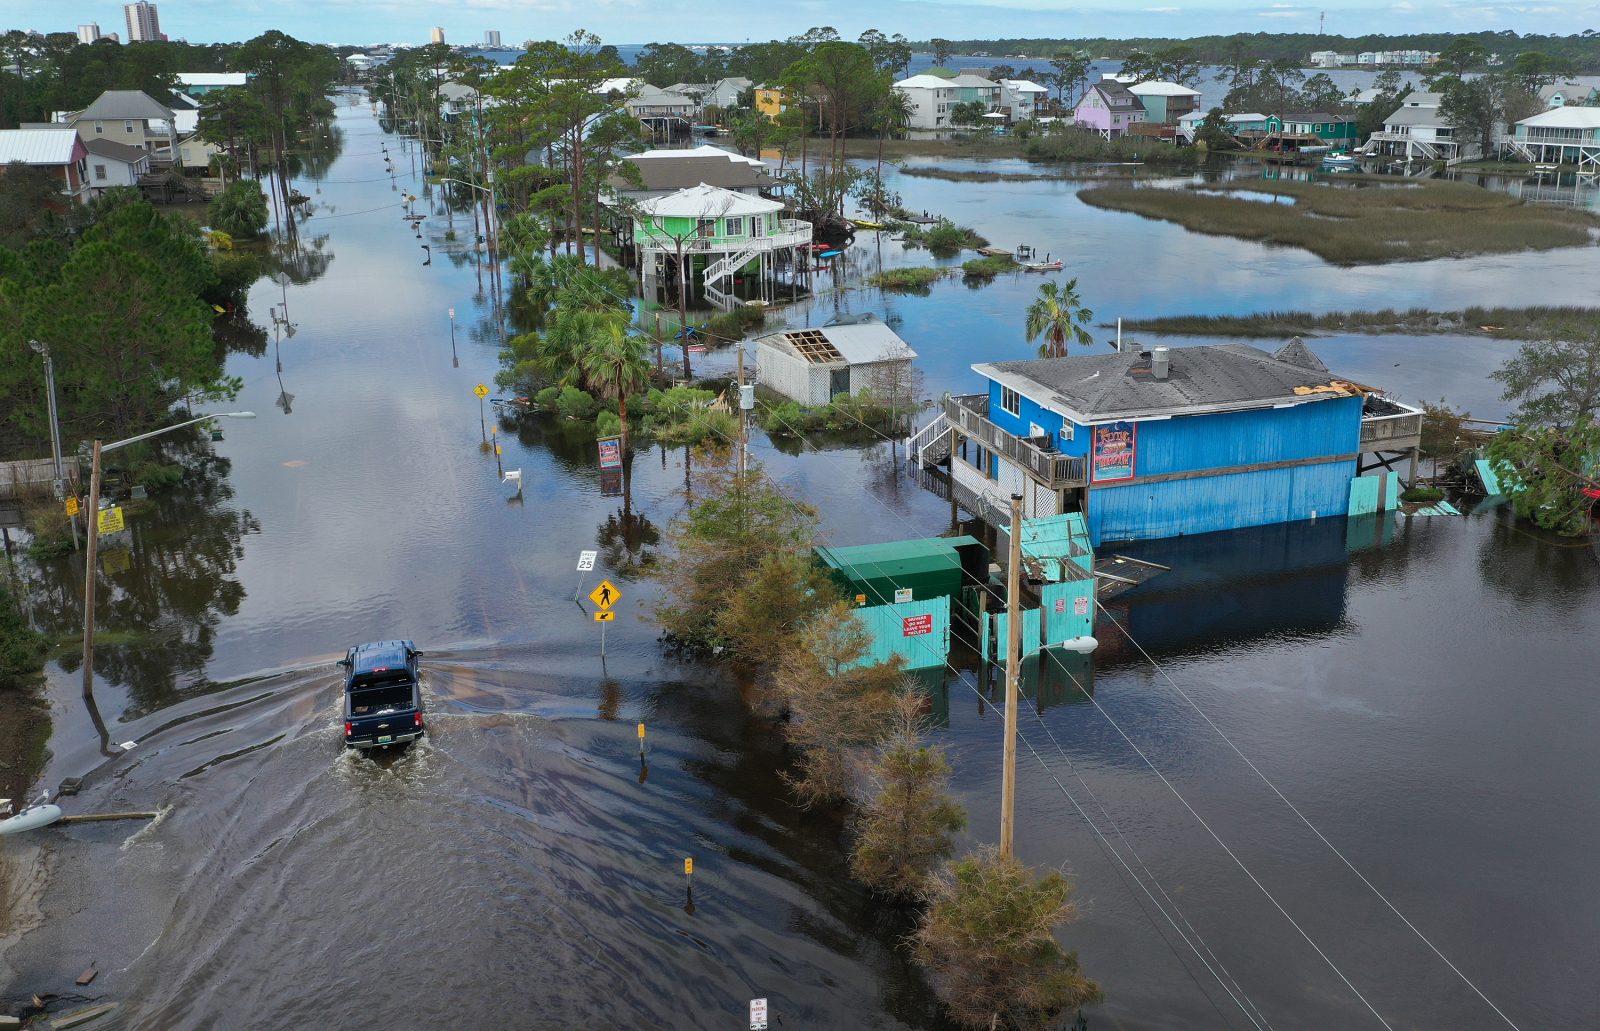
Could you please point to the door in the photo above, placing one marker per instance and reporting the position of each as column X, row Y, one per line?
column 838, row 382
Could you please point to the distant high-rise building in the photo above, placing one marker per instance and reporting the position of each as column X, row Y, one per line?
column 438, row 34
column 143, row 24
column 88, row 33
column 491, row 38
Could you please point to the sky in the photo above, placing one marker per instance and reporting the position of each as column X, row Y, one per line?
column 732, row 21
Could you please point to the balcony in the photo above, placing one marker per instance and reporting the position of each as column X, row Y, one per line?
column 1389, row 426
column 792, row 232
column 968, row 413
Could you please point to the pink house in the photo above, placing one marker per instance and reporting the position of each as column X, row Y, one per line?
column 1108, row 108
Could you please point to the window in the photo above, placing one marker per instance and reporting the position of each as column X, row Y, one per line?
column 100, row 127
column 735, row 226
column 981, row 460
column 99, row 171
column 1010, row 401
column 707, row 227
column 127, row 126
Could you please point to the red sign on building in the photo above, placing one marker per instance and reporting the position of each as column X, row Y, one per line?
column 912, row 626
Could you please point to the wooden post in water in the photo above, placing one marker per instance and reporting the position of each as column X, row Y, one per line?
column 1008, row 770
column 91, row 552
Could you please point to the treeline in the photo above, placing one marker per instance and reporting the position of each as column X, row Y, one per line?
column 662, row 64
column 41, row 73
column 1581, row 50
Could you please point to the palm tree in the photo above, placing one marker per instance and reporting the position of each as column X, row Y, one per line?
column 615, row 362
column 1056, row 315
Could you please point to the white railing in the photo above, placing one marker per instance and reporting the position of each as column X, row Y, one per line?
column 722, row 268
column 931, row 443
column 791, row 233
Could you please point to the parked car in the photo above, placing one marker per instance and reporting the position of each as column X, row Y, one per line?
column 382, row 695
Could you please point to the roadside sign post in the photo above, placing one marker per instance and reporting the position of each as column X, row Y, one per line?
column 585, row 565
column 758, row 1015
column 483, row 427
column 604, row 596
column 455, row 360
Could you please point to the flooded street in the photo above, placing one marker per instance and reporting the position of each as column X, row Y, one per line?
column 1421, row 690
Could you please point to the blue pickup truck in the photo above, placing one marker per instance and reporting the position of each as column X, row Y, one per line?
column 382, row 695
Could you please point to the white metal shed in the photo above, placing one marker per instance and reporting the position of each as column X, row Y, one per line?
column 813, row 366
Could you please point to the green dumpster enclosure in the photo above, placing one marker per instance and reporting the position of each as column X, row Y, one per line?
column 901, row 571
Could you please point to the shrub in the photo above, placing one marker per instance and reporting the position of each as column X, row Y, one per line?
column 607, row 424
column 736, row 324
column 546, row 399
column 240, row 210
column 1422, row 495
column 575, row 404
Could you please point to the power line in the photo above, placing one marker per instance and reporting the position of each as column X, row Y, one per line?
column 1303, row 819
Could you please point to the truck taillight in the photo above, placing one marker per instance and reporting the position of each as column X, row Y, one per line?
column 349, row 728
column 419, row 719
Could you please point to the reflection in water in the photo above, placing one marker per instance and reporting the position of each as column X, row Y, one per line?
column 164, row 587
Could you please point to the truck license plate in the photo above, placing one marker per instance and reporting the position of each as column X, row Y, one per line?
column 385, row 739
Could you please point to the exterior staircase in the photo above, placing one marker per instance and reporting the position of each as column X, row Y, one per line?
column 929, row 445
column 723, row 268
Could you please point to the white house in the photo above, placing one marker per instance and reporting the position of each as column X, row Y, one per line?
column 930, row 99
column 1567, row 134
column 724, row 93
column 1021, row 99
column 1418, row 133
column 653, row 102
column 113, row 164
column 128, row 117
column 813, row 366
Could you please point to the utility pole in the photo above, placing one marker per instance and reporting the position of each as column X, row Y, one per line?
column 742, row 428
column 92, row 517
column 1008, row 769
column 55, row 430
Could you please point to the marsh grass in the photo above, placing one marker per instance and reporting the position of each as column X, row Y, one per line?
column 914, row 279
column 1535, row 323
column 986, row 268
column 1361, row 224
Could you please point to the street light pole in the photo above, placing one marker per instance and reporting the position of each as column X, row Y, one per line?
column 55, row 428
column 92, row 517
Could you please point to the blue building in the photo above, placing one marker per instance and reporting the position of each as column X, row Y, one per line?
column 1171, row 441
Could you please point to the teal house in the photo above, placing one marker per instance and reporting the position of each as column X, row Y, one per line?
column 1336, row 130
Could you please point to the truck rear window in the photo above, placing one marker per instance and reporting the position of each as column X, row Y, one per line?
column 378, row 699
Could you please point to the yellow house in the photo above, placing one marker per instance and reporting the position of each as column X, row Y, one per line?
column 769, row 101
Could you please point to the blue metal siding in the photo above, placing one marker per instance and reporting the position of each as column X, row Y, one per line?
column 1031, row 412
column 1331, row 427
column 1210, row 503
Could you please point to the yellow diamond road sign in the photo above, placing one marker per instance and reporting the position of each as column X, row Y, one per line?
column 481, row 390
column 606, row 595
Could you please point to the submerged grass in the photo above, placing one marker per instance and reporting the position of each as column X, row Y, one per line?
column 989, row 266
column 1533, row 323
column 916, row 278
column 1359, row 224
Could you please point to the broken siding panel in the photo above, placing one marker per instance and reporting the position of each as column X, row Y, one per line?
column 1062, row 603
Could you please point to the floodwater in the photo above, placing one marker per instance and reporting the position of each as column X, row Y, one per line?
column 1418, row 689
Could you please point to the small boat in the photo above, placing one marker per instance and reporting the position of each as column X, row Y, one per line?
column 1338, row 159
column 863, row 224
column 41, row 815
column 830, row 254
column 818, row 247
column 1041, row 266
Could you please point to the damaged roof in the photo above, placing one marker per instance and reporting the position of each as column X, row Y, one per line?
column 1202, row 379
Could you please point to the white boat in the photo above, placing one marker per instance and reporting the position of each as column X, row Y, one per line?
column 1041, row 266
column 31, row 818
column 1338, row 161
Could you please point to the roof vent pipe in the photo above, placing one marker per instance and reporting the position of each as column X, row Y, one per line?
column 1159, row 363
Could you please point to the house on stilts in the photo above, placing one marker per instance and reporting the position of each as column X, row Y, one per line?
column 712, row 240
column 1166, row 442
